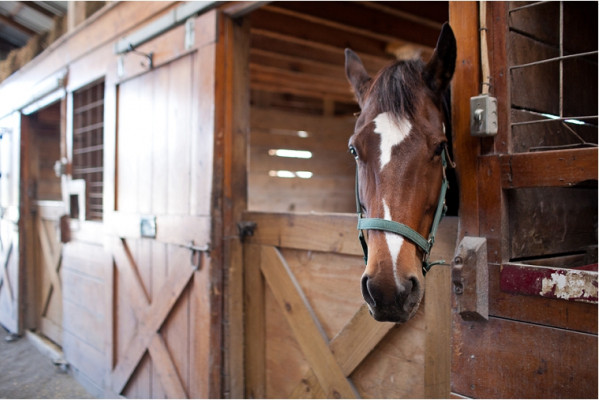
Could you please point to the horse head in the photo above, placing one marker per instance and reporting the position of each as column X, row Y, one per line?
column 399, row 144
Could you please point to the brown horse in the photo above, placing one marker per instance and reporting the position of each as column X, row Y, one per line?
column 400, row 147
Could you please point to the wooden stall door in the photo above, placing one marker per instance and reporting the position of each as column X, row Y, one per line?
column 164, row 322
column 531, row 193
column 9, row 219
column 43, row 207
column 308, row 332
column 49, row 260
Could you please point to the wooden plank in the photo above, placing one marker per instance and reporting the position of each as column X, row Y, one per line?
column 437, row 313
column 536, row 88
column 350, row 347
column 494, row 357
column 550, row 221
column 574, row 284
column 569, row 315
column 568, row 168
column 178, row 151
column 321, row 163
column 305, row 326
column 306, row 231
column 255, row 362
column 206, row 303
column 165, row 369
column 499, row 88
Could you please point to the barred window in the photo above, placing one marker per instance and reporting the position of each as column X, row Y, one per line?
column 88, row 147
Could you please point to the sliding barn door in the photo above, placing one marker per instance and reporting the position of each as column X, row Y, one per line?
column 9, row 219
column 164, row 322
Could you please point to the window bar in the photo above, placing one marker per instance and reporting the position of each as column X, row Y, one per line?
column 554, row 59
column 561, row 61
column 538, row 3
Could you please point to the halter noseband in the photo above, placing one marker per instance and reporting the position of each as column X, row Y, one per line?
column 404, row 230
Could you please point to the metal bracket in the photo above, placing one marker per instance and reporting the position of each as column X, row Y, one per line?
column 470, row 278
column 189, row 33
column 147, row 226
column 148, row 56
column 246, row 228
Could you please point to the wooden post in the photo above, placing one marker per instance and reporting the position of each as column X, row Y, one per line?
column 463, row 18
column 233, row 120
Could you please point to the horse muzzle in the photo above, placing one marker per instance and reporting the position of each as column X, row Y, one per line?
column 392, row 301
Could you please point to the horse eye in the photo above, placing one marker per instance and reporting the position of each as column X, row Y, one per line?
column 440, row 148
column 353, row 152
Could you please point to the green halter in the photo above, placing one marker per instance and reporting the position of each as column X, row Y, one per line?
column 404, row 230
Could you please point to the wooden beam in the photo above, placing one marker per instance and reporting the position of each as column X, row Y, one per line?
column 307, row 231
column 34, row 6
column 11, row 22
column 558, row 168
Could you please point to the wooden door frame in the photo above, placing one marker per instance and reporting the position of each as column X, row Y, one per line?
column 28, row 231
column 230, row 182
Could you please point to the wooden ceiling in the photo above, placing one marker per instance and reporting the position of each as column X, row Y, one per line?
column 297, row 48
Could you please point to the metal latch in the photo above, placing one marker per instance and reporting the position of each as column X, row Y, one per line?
column 196, row 252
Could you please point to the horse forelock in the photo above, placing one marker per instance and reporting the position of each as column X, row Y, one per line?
column 395, row 89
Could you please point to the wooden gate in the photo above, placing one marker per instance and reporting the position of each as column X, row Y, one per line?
column 308, row 333
column 9, row 219
column 531, row 193
column 165, row 322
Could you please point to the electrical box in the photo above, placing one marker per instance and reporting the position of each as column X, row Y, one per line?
column 483, row 115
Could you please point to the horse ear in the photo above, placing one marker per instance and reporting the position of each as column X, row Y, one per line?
column 440, row 68
column 356, row 74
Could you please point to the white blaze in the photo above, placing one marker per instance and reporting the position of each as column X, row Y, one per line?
column 392, row 133
column 394, row 243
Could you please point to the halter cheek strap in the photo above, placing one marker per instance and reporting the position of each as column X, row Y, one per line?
column 404, row 230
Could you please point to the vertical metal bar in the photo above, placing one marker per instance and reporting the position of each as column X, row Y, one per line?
column 561, row 61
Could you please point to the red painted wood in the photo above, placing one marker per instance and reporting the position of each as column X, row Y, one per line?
column 543, row 281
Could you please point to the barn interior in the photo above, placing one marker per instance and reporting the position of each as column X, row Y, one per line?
column 302, row 107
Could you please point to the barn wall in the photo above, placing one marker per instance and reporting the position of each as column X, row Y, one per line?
column 531, row 192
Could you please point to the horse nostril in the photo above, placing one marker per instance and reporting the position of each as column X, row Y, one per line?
column 366, row 292
column 415, row 284
column 411, row 289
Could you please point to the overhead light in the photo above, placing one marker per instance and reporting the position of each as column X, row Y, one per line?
column 282, row 173
column 288, row 153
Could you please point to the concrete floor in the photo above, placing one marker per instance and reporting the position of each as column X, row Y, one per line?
column 26, row 373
